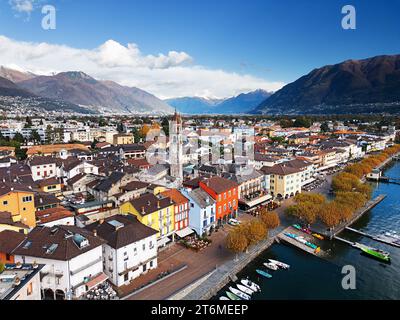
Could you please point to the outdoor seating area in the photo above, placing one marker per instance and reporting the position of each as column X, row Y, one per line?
column 195, row 243
column 103, row 291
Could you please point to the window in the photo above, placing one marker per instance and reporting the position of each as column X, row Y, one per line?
column 229, row 193
column 5, row 202
column 224, row 195
column 27, row 199
column 144, row 246
column 126, row 277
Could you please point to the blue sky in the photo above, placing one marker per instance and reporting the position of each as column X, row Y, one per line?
column 268, row 41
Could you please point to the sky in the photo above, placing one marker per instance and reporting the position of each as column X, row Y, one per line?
column 208, row 48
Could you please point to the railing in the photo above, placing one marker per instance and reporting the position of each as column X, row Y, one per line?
column 73, row 272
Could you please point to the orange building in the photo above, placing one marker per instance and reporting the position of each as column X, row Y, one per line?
column 225, row 193
column 181, row 208
column 9, row 240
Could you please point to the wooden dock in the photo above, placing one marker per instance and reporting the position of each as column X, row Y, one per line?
column 288, row 240
column 380, row 238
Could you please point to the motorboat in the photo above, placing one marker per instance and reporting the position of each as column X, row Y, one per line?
column 239, row 293
column 250, row 284
column 280, row 264
column 245, row 289
column 271, row 266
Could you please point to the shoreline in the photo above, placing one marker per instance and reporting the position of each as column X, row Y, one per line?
column 227, row 272
column 208, row 285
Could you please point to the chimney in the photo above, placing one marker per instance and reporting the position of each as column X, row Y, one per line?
column 101, row 221
column 143, row 210
column 158, row 204
column 95, row 232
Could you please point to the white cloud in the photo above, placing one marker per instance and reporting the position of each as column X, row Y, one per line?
column 22, row 6
column 172, row 74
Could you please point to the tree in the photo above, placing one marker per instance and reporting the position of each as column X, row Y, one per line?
column 324, row 127
column 120, row 127
column 102, row 122
column 28, row 122
column 19, row 138
column 20, row 153
column 165, row 126
column 255, row 231
column 2, row 267
column 49, row 134
column 35, row 137
column 236, row 241
column 286, row 123
column 270, row 219
column 302, row 122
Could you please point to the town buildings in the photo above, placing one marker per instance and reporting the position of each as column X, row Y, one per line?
column 129, row 250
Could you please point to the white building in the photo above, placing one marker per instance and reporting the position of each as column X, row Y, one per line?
column 201, row 210
column 20, row 282
column 43, row 167
column 131, row 247
column 72, row 259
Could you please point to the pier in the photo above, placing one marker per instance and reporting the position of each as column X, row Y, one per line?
column 288, row 240
column 380, row 238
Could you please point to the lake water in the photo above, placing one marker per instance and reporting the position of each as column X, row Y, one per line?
column 310, row 277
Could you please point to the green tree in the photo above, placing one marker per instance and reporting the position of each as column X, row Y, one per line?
column 35, row 137
column 19, row 138
column 49, row 134
column 302, row 122
column 324, row 127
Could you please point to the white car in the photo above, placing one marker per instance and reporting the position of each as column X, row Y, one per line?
column 233, row 222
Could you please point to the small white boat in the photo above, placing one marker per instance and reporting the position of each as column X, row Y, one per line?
column 280, row 264
column 245, row 289
column 271, row 266
column 223, row 298
column 250, row 284
column 239, row 293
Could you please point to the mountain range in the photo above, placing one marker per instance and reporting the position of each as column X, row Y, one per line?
column 353, row 86
column 240, row 104
column 82, row 90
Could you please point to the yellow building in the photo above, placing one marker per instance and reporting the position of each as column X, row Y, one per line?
column 7, row 222
column 284, row 180
column 51, row 185
column 19, row 201
column 152, row 211
column 124, row 138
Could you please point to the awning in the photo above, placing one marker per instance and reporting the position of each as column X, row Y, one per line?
column 96, row 281
column 163, row 241
column 184, row 232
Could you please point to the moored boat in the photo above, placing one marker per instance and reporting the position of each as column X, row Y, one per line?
column 263, row 273
column 271, row 266
column 239, row 293
column 377, row 253
column 245, row 289
column 280, row 264
column 223, row 298
column 318, row 236
column 250, row 284
column 232, row 296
